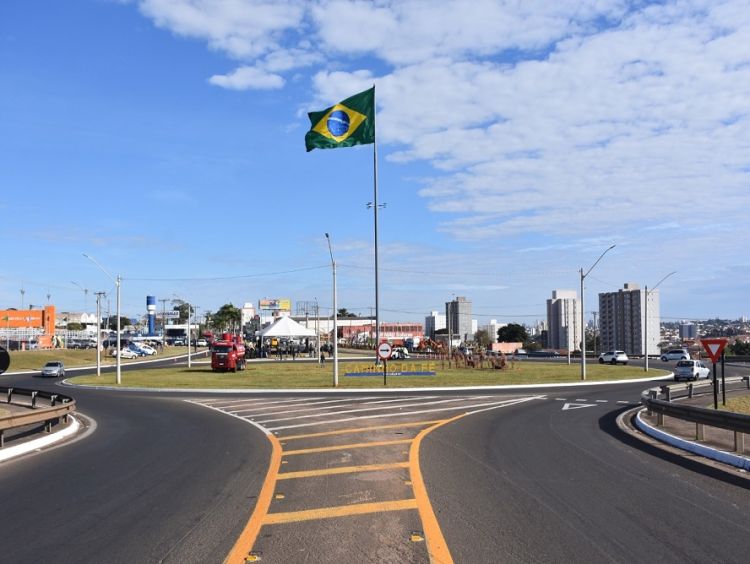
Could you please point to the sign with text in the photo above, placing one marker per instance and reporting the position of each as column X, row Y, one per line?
column 714, row 348
column 168, row 314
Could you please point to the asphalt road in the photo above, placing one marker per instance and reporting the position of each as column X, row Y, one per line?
column 158, row 481
column 536, row 483
column 163, row 480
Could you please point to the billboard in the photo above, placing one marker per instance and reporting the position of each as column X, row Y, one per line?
column 29, row 318
column 278, row 304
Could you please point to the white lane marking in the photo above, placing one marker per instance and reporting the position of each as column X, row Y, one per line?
column 569, row 406
column 601, row 401
column 236, row 401
column 350, row 401
column 253, row 423
column 580, row 399
column 419, row 404
column 390, row 415
column 505, row 405
column 561, row 399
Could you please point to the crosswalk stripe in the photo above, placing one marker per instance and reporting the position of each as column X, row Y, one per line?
column 340, row 511
column 340, row 470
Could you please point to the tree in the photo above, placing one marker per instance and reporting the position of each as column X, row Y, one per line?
column 482, row 338
column 512, row 333
column 74, row 326
column 344, row 313
column 183, row 307
column 739, row 348
column 227, row 317
column 124, row 322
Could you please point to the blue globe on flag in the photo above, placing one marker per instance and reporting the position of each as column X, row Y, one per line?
column 338, row 123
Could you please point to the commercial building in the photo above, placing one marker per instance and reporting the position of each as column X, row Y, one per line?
column 622, row 320
column 433, row 323
column 492, row 328
column 564, row 320
column 458, row 319
column 688, row 331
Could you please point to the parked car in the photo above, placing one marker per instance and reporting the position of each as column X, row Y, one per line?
column 613, row 357
column 691, row 370
column 148, row 349
column 202, row 343
column 179, row 341
column 675, row 354
column 399, row 353
column 125, row 353
column 53, row 369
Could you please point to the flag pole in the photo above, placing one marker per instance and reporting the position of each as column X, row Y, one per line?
column 375, row 208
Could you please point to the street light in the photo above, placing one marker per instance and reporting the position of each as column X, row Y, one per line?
column 645, row 315
column 583, row 321
column 335, row 320
column 317, row 329
column 85, row 294
column 117, row 282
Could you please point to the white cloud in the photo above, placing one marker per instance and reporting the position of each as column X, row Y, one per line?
column 243, row 78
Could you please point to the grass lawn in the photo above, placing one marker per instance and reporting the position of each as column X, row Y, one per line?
column 308, row 375
column 737, row 405
column 34, row 360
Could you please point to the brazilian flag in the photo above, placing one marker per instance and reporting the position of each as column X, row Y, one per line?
column 350, row 122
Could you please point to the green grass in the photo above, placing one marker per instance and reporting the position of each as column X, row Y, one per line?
column 310, row 375
column 34, row 360
column 737, row 405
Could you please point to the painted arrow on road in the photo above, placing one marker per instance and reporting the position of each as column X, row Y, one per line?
column 568, row 406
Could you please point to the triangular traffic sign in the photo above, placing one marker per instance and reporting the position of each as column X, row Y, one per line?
column 714, row 348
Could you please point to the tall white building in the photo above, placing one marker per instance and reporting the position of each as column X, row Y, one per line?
column 564, row 320
column 492, row 328
column 622, row 320
column 433, row 322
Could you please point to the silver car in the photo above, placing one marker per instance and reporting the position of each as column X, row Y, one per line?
column 675, row 354
column 53, row 369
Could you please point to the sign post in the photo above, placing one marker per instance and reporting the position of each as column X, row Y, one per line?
column 384, row 353
column 714, row 349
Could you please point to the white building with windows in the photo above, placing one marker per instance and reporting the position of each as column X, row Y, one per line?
column 564, row 320
column 432, row 323
column 623, row 318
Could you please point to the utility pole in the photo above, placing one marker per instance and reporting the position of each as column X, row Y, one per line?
column 99, row 296
column 164, row 317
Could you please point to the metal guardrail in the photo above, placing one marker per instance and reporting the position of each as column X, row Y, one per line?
column 60, row 406
column 664, row 406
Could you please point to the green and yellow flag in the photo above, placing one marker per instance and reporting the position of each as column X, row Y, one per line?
column 350, row 122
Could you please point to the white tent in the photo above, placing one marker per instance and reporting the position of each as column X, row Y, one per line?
column 286, row 327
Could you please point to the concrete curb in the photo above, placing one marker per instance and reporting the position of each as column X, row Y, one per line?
column 253, row 391
column 690, row 446
column 104, row 366
column 29, row 446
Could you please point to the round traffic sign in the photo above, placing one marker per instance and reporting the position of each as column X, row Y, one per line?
column 384, row 351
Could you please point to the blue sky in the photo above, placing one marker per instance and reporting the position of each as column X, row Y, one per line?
column 516, row 142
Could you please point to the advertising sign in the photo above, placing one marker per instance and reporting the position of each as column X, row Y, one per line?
column 276, row 304
column 168, row 314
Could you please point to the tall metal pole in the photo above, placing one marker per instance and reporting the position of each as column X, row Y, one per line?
column 583, row 309
column 645, row 314
column 335, row 320
column 119, row 349
column 317, row 329
column 583, row 332
column 117, row 282
column 188, row 335
column 99, row 333
column 375, row 211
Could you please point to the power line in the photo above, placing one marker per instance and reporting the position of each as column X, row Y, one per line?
column 238, row 276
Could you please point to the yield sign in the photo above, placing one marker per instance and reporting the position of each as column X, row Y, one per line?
column 714, row 348
column 568, row 406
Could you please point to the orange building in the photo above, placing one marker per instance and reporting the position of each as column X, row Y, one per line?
column 29, row 319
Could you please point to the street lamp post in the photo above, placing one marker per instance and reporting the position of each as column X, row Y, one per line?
column 335, row 320
column 317, row 329
column 99, row 333
column 85, row 294
column 645, row 315
column 583, row 309
column 117, row 281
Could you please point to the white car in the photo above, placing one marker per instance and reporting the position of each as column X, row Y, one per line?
column 691, row 370
column 613, row 357
column 147, row 349
column 675, row 354
column 125, row 353
column 202, row 343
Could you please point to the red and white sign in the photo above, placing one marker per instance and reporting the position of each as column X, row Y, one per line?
column 714, row 348
column 384, row 351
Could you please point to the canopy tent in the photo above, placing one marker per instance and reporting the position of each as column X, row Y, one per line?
column 286, row 327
